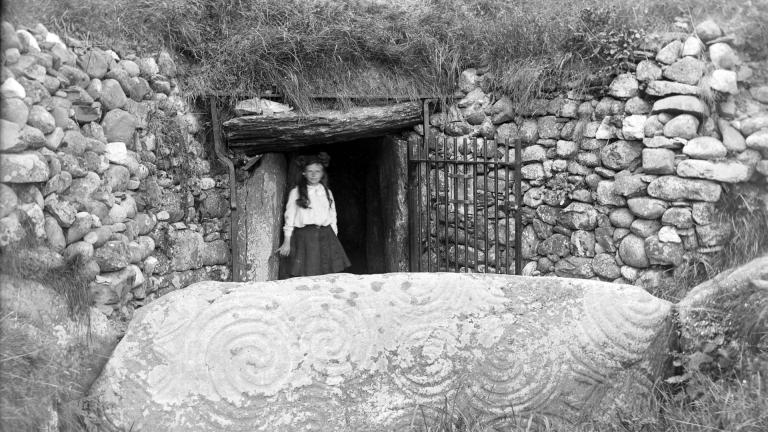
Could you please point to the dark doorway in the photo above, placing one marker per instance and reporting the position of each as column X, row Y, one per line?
column 353, row 177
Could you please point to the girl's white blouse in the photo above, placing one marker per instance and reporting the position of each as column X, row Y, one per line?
column 320, row 211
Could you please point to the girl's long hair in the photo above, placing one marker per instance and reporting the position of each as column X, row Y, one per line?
column 322, row 159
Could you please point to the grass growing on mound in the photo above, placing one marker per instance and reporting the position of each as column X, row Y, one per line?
column 350, row 48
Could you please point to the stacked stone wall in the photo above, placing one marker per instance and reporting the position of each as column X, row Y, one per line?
column 621, row 185
column 100, row 156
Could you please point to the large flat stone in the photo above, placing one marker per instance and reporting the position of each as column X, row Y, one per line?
column 373, row 352
column 726, row 172
column 681, row 104
column 672, row 188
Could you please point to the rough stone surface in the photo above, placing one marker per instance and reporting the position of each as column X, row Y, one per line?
column 724, row 81
column 683, row 126
column 733, row 140
column 672, row 188
column 623, row 86
column 727, row 172
column 621, row 154
column 119, row 126
column 26, row 167
column 681, row 104
column 687, row 70
column 667, row 88
column 758, row 140
column 705, row 148
column 632, row 251
column 647, row 208
column 723, row 56
column 658, row 161
column 227, row 356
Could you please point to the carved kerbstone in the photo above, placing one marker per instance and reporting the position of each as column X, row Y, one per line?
column 385, row 352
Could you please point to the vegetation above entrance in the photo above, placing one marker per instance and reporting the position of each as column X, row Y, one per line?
column 404, row 48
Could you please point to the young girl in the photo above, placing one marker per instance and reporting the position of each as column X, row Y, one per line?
column 310, row 227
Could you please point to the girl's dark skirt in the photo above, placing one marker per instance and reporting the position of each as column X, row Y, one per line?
column 316, row 250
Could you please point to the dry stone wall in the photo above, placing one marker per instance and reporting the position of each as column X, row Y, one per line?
column 99, row 156
column 621, row 186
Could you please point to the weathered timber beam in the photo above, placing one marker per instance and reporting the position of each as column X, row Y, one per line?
column 293, row 131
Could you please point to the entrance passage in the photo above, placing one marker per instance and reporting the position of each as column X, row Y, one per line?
column 360, row 193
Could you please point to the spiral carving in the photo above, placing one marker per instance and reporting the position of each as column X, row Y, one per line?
column 334, row 337
column 426, row 370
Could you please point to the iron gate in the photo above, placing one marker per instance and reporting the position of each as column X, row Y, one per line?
column 464, row 201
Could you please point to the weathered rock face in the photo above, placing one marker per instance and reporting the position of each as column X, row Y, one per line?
column 371, row 353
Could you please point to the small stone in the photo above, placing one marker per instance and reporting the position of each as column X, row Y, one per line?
column 670, row 53
column 687, row 70
column 606, row 194
column 130, row 67
column 8, row 200
column 637, row 105
column 724, row 81
column 647, row 208
column 692, row 46
column 534, row 153
column 760, row 93
column 623, row 86
column 119, row 126
column 705, row 148
column 10, row 137
column 754, row 124
column 147, row 67
column 112, row 95
column 733, row 140
column 758, row 140
column 621, row 154
column 163, row 215
column 64, row 212
column 629, row 185
column 58, row 183
column 723, row 56
column 605, row 266
column 679, row 217
column 15, row 111
column 41, row 119
column 633, row 127
column 682, row 126
column 632, row 251
column 658, row 161
column 648, row 70
column 644, row 228
column 55, row 235
column 708, row 30
column 12, row 89
column 566, row 149
column 112, row 256
column 663, row 253
column 80, row 227
column 95, row 63
column 667, row 234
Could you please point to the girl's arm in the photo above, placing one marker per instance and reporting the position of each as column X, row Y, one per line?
column 290, row 217
column 334, row 226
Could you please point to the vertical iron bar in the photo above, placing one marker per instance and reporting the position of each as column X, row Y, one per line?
column 423, row 158
column 495, row 210
column 475, row 185
column 435, row 244
column 519, row 205
column 507, row 247
column 445, row 195
column 485, row 203
column 466, row 211
column 456, row 205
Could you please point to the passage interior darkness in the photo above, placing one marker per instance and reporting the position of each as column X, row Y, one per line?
column 353, row 177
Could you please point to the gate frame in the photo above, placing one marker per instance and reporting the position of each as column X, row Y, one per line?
column 418, row 157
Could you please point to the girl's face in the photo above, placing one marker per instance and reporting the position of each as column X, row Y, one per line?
column 313, row 173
